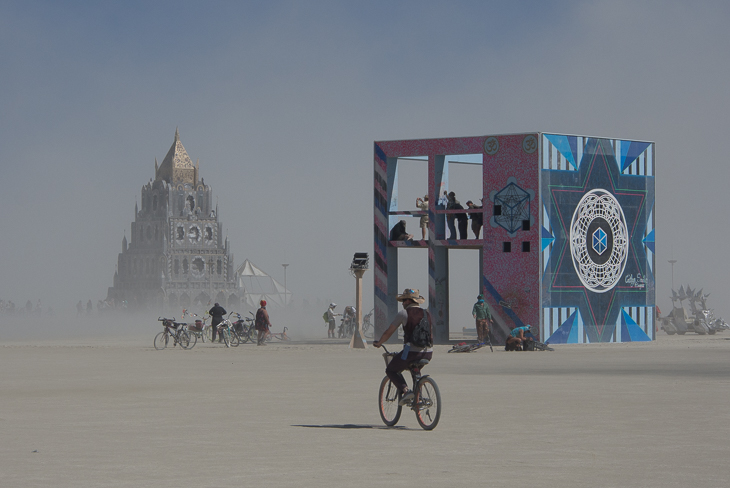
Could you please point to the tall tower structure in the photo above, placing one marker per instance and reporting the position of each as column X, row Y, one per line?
column 177, row 255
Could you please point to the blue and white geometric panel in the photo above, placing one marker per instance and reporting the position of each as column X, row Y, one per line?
column 634, row 158
column 562, row 153
column 648, row 241
column 547, row 238
column 636, row 324
column 562, row 326
column 583, row 247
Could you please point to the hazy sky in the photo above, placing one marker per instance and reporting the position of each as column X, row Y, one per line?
column 281, row 102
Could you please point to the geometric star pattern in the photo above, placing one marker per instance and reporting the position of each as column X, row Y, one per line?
column 625, row 171
column 515, row 207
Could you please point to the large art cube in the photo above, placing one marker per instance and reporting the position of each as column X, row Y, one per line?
column 568, row 239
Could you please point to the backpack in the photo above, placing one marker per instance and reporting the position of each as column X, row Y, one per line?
column 421, row 336
column 325, row 316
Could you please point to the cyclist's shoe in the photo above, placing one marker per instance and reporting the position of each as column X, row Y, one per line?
column 407, row 398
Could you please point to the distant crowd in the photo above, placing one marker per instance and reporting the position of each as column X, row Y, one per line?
column 8, row 307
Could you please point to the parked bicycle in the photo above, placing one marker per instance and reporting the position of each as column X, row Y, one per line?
column 368, row 329
column 228, row 333
column 426, row 402
column 201, row 329
column 347, row 325
column 177, row 331
column 245, row 328
column 281, row 336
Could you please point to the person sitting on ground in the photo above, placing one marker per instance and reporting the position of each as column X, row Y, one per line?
column 422, row 204
column 409, row 318
column 262, row 323
column 398, row 232
column 517, row 338
column 216, row 315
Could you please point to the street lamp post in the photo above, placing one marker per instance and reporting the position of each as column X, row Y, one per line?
column 357, row 268
column 286, row 290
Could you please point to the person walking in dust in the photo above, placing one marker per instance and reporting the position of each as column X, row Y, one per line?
column 262, row 323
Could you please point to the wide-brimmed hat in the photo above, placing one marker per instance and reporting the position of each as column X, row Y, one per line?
column 410, row 294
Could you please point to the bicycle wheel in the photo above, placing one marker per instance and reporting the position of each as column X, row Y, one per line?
column 184, row 339
column 209, row 333
column 252, row 334
column 161, row 340
column 243, row 335
column 226, row 337
column 193, row 339
column 233, row 338
column 428, row 403
column 388, row 401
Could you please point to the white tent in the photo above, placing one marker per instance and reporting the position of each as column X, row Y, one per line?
column 255, row 285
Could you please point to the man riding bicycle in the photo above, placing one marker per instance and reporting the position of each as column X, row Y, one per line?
column 410, row 317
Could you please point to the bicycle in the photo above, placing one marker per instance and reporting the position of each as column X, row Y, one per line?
column 347, row 324
column 200, row 330
column 463, row 347
column 426, row 402
column 367, row 325
column 243, row 327
column 467, row 347
column 178, row 332
column 281, row 336
column 227, row 332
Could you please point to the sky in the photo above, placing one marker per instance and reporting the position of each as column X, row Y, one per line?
column 281, row 102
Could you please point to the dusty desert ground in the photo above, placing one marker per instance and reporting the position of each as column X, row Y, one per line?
column 105, row 411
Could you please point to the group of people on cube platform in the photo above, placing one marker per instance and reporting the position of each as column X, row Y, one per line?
column 448, row 201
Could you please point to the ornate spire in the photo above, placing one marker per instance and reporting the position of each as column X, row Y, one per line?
column 177, row 167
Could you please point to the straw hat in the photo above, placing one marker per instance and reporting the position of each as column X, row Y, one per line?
column 410, row 294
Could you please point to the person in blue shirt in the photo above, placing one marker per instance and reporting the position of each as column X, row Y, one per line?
column 517, row 337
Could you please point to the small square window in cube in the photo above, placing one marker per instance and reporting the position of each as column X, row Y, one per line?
column 498, row 210
column 525, row 225
column 506, row 247
column 526, row 246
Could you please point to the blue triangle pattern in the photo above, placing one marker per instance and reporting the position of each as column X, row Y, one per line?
column 547, row 238
column 546, row 242
column 565, row 332
column 649, row 241
column 565, row 145
column 631, row 151
column 630, row 330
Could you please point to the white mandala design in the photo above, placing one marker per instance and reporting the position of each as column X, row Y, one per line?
column 595, row 204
